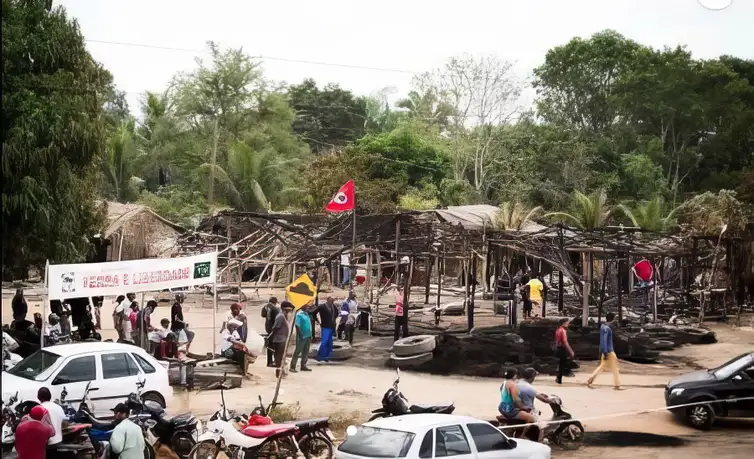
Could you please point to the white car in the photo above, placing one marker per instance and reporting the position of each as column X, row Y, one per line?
column 112, row 368
column 436, row 435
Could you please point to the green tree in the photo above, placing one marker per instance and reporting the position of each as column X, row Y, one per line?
column 326, row 118
column 118, row 164
column 515, row 216
column 588, row 212
column 54, row 133
column 650, row 215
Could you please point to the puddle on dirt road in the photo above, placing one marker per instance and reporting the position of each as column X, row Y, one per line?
column 632, row 439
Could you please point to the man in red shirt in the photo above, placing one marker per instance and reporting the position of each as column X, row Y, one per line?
column 32, row 434
column 644, row 271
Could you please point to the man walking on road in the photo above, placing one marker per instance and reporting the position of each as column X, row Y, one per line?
column 607, row 353
column 303, row 340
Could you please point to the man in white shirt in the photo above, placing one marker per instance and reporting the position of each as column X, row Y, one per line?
column 57, row 415
column 127, row 440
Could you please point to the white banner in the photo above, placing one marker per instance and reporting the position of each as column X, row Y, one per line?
column 132, row 276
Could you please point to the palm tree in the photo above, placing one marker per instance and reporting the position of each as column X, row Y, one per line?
column 118, row 163
column 588, row 212
column 649, row 215
column 515, row 216
column 427, row 107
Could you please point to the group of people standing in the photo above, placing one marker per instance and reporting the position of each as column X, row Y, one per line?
column 41, row 431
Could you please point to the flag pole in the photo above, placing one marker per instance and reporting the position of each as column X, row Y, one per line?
column 353, row 246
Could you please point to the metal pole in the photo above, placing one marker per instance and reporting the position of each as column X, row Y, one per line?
column 214, row 316
column 353, row 249
column 142, row 332
column 45, row 299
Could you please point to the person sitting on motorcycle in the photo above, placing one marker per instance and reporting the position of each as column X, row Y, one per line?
column 527, row 393
column 511, row 406
column 32, row 434
column 127, row 440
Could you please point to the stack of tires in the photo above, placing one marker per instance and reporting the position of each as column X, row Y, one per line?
column 413, row 351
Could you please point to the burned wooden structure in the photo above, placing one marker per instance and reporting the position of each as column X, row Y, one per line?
column 694, row 276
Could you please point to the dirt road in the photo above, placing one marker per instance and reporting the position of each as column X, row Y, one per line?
column 350, row 390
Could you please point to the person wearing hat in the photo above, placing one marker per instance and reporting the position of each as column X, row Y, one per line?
column 280, row 330
column 33, row 433
column 233, row 347
column 127, row 440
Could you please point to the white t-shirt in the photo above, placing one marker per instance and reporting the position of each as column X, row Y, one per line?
column 228, row 339
column 57, row 416
column 158, row 335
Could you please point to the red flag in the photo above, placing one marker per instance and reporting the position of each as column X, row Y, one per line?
column 344, row 200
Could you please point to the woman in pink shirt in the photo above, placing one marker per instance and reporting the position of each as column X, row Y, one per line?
column 562, row 350
column 401, row 319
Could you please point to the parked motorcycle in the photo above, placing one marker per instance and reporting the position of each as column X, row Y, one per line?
column 314, row 437
column 567, row 433
column 395, row 404
column 227, row 431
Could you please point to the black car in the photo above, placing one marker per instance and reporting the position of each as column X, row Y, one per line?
column 732, row 380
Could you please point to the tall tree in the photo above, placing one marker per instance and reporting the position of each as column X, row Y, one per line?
column 54, row 133
column 326, row 118
column 588, row 212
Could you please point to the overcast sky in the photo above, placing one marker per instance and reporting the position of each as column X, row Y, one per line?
column 398, row 36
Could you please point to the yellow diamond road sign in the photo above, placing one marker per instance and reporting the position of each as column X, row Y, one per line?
column 301, row 292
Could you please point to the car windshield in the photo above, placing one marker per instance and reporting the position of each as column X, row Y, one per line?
column 376, row 442
column 732, row 367
column 35, row 364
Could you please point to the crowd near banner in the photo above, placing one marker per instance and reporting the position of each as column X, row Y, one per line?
column 113, row 278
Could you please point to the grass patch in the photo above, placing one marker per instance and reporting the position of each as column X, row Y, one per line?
column 341, row 419
column 285, row 413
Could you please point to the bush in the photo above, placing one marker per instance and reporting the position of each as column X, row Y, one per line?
column 185, row 207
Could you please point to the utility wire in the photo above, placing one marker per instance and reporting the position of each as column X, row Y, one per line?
column 260, row 56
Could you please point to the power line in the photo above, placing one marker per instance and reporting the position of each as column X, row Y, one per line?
column 261, row 57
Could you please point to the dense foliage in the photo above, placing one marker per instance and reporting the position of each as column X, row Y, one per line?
column 621, row 133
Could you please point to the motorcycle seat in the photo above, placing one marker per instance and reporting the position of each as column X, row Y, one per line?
column 178, row 420
column 510, row 422
column 316, row 423
column 268, row 430
column 99, row 424
column 444, row 409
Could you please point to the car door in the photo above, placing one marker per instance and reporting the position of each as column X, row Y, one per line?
column 742, row 385
column 451, row 441
column 490, row 443
column 74, row 374
column 119, row 376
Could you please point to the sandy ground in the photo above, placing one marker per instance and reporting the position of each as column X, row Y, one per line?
column 352, row 389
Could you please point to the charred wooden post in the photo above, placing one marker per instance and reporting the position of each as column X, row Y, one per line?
column 397, row 256
column 368, row 279
column 428, row 264
column 440, row 272
column 407, row 294
column 587, row 261
column 470, row 317
column 485, row 286
column 620, row 290
column 561, row 288
column 379, row 274
column 605, row 268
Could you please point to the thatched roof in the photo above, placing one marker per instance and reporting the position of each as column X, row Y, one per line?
column 118, row 214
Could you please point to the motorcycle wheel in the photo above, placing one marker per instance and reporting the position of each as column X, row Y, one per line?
column 316, row 446
column 378, row 416
column 204, row 450
column 570, row 437
column 281, row 447
column 182, row 444
column 149, row 451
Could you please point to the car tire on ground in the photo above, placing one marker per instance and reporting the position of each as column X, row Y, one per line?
column 410, row 361
column 414, row 345
column 700, row 417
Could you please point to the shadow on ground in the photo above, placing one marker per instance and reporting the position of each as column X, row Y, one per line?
column 632, row 439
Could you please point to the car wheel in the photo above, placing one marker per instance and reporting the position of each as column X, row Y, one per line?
column 154, row 397
column 414, row 345
column 700, row 416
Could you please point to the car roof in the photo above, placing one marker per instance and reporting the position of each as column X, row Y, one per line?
column 419, row 422
column 66, row 350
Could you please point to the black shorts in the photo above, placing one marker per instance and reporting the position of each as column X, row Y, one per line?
column 527, row 305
